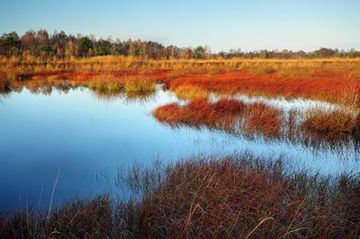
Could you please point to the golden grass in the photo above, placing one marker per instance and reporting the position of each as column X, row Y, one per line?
column 139, row 85
column 106, row 84
column 132, row 86
column 190, row 92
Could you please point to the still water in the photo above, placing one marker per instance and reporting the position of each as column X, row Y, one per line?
column 87, row 139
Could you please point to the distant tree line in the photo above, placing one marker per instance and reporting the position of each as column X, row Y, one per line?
column 59, row 45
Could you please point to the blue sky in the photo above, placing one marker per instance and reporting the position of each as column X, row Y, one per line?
column 220, row 24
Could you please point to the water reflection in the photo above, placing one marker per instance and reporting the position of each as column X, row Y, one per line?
column 258, row 120
column 47, row 86
column 89, row 137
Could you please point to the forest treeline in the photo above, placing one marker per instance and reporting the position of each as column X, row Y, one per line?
column 60, row 45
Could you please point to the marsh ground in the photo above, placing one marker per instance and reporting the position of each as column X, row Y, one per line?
column 91, row 116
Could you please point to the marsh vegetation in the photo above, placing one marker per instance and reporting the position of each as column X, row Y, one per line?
column 192, row 105
column 207, row 197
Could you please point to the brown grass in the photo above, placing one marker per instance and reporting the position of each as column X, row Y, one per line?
column 208, row 197
column 96, row 218
column 330, row 123
column 235, row 197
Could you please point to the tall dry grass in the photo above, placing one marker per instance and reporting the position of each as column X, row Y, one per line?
column 106, row 84
column 139, row 85
column 190, row 92
column 335, row 80
column 244, row 197
column 237, row 196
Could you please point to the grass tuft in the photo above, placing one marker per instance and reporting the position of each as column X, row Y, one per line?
column 139, row 85
column 190, row 92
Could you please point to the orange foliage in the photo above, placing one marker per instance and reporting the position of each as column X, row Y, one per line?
column 221, row 114
column 258, row 118
column 224, row 114
column 335, row 81
column 330, row 124
column 263, row 118
column 319, row 86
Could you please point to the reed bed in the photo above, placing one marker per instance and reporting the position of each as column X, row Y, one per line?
column 240, row 196
column 327, row 88
column 201, row 112
column 225, row 114
column 110, row 84
column 259, row 119
column 264, row 119
column 245, row 197
column 106, row 84
column 333, row 123
column 333, row 80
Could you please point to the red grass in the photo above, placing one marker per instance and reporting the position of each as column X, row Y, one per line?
column 319, row 128
column 264, row 119
column 329, row 88
column 331, row 125
column 224, row 114
column 198, row 112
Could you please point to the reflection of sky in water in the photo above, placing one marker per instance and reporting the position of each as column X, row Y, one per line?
column 90, row 139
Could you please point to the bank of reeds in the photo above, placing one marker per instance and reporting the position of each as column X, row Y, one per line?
column 334, row 80
column 106, row 84
column 259, row 119
column 331, row 124
column 110, row 84
column 226, row 114
column 237, row 196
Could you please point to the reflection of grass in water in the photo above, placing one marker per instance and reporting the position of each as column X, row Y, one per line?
column 110, row 96
column 336, row 128
column 143, row 97
column 207, row 197
column 107, row 96
column 318, row 129
column 4, row 86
